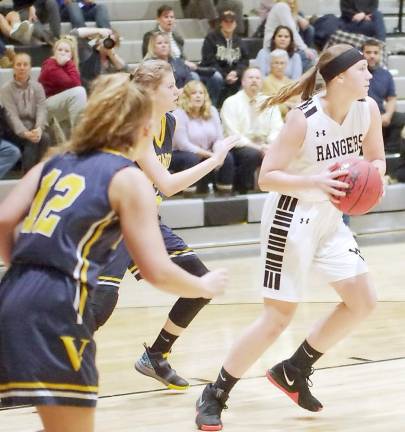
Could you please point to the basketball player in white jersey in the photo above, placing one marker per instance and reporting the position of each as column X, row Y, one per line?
column 301, row 229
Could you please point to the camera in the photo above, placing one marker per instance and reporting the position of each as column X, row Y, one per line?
column 108, row 42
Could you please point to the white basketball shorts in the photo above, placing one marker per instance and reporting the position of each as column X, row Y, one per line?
column 298, row 237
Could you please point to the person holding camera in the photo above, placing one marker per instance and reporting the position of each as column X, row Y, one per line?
column 97, row 54
column 65, row 96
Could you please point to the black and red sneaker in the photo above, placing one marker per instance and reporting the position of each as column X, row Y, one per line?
column 209, row 408
column 295, row 384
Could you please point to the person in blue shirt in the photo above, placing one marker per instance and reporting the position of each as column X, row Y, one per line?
column 382, row 90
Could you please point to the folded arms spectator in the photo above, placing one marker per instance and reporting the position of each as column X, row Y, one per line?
column 25, row 106
column 362, row 16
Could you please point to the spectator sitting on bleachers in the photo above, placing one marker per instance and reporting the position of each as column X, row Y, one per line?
column 277, row 79
column 9, row 153
column 159, row 48
column 39, row 12
column 97, row 53
column 285, row 12
column 24, row 102
column 210, row 10
column 362, row 16
column 12, row 27
column 198, row 129
column 241, row 116
column 65, row 96
column 166, row 22
column 46, row 11
column 305, row 28
column 78, row 12
column 282, row 39
column 226, row 52
column 382, row 90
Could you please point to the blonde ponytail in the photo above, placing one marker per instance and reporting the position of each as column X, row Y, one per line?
column 305, row 86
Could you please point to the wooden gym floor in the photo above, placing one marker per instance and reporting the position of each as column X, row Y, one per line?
column 361, row 382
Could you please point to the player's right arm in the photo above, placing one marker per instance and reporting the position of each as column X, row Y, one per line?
column 132, row 197
column 273, row 175
column 170, row 184
column 14, row 208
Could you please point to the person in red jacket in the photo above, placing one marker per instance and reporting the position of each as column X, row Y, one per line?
column 66, row 98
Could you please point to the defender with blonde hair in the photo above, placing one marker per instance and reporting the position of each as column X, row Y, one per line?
column 72, row 209
column 156, row 77
column 302, row 230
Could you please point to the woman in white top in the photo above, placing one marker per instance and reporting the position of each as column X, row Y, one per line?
column 301, row 229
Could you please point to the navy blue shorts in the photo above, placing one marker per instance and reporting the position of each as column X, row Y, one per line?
column 114, row 271
column 46, row 356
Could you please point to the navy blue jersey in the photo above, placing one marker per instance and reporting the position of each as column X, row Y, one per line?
column 70, row 225
column 163, row 144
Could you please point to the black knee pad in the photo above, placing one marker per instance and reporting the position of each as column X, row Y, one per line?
column 103, row 302
column 185, row 309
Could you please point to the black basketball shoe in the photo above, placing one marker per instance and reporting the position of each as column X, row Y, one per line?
column 295, row 384
column 155, row 365
column 209, row 408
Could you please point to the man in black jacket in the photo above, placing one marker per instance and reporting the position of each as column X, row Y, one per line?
column 362, row 16
column 226, row 52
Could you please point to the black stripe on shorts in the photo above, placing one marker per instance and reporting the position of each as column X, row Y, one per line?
column 277, row 241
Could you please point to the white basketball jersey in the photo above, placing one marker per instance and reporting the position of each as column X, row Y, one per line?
column 327, row 142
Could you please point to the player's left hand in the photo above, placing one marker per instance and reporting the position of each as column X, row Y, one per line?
column 222, row 147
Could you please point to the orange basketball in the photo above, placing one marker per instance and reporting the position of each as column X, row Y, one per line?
column 365, row 186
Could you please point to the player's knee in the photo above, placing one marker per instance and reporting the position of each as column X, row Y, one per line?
column 368, row 304
column 185, row 310
column 273, row 326
column 103, row 304
column 365, row 305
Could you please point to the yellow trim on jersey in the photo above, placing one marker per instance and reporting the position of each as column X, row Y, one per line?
column 82, row 266
column 115, row 152
column 85, row 267
column 160, row 140
column 109, row 278
column 46, row 385
column 134, row 268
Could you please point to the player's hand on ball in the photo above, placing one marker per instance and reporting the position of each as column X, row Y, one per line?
column 215, row 282
column 328, row 182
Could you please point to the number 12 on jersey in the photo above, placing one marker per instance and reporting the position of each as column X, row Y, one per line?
column 43, row 216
